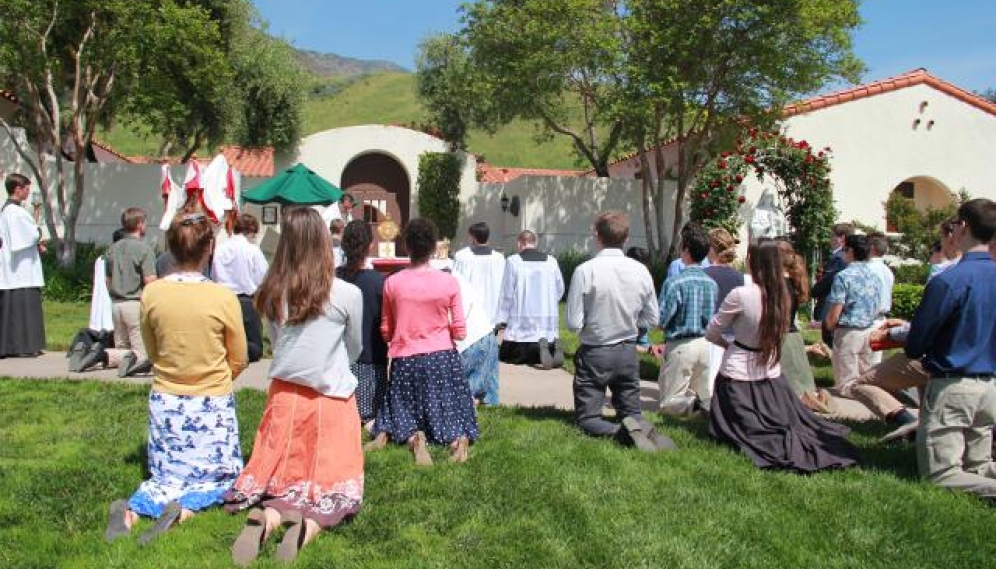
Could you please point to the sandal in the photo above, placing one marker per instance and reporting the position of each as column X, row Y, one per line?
column 293, row 539
column 117, row 524
column 247, row 545
column 170, row 514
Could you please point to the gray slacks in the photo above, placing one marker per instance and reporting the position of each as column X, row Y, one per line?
column 597, row 368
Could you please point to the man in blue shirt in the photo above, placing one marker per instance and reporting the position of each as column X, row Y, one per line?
column 954, row 331
column 687, row 302
column 853, row 307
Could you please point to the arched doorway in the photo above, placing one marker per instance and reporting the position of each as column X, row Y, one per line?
column 382, row 188
column 925, row 193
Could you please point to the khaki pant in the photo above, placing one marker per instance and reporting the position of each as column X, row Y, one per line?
column 876, row 387
column 127, row 332
column 954, row 441
column 852, row 357
column 685, row 375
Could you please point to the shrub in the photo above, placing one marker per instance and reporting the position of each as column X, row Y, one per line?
column 911, row 274
column 568, row 261
column 906, row 299
column 74, row 283
column 919, row 229
column 439, row 190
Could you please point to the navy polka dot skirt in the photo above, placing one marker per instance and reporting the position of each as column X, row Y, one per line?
column 427, row 392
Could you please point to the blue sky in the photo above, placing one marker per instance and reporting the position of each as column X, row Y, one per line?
column 953, row 39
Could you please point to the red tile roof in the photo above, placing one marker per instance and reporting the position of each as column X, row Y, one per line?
column 915, row 77
column 251, row 162
column 107, row 148
column 494, row 174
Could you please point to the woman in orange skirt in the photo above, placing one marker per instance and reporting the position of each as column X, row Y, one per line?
column 306, row 468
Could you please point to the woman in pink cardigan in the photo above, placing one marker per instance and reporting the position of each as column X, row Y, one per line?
column 428, row 399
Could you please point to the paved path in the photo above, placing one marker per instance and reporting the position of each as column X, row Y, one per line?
column 523, row 386
column 519, row 385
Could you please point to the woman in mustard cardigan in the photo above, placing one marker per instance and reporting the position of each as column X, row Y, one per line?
column 193, row 332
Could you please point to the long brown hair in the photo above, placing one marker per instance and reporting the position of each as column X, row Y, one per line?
column 793, row 264
column 301, row 274
column 765, row 261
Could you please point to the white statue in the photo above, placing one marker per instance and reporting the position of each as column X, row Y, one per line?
column 768, row 219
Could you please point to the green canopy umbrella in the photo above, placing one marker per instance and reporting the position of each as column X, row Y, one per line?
column 297, row 185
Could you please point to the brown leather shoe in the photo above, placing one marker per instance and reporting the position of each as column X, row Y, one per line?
column 419, row 449
column 461, row 450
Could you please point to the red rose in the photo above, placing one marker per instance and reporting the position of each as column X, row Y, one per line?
column 749, row 159
column 752, row 150
column 739, row 178
column 725, row 155
column 730, row 188
column 741, row 199
column 722, row 164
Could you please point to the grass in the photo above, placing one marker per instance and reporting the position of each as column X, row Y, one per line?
column 536, row 493
column 62, row 321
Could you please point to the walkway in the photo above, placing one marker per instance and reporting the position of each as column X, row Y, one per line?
column 522, row 386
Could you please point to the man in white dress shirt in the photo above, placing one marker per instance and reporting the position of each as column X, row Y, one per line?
column 611, row 298
column 239, row 264
column 482, row 266
column 529, row 307
column 22, row 323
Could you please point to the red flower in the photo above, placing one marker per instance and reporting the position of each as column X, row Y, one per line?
column 752, row 150
column 741, row 199
column 730, row 188
column 714, row 184
column 749, row 159
column 739, row 178
column 722, row 164
column 725, row 155
column 703, row 195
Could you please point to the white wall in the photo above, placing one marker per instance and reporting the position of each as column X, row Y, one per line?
column 560, row 210
column 875, row 147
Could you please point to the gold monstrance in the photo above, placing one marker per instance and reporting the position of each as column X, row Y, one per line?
column 388, row 231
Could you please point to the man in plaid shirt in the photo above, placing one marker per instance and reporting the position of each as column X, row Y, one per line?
column 687, row 302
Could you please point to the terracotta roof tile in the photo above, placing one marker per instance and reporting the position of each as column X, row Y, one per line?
column 915, row 77
column 495, row 174
column 107, row 148
column 251, row 162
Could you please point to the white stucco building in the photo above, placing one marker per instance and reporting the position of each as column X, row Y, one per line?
column 914, row 133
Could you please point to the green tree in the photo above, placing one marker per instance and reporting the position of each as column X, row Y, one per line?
column 439, row 190
column 699, row 69
column 554, row 62
column 76, row 65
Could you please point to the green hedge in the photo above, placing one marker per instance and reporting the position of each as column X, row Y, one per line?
column 906, row 299
column 73, row 283
column 569, row 260
column 439, row 190
column 912, row 274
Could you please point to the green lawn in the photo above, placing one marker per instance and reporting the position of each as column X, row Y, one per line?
column 536, row 493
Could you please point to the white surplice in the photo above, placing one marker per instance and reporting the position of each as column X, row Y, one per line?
column 479, row 324
column 239, row 265
column 20, row 262
column 530, row 296
column 101, row 318
column 484, row 269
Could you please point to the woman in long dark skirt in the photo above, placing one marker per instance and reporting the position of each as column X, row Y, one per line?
column 753, row 408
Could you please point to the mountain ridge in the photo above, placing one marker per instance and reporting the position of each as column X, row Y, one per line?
column 334, row 65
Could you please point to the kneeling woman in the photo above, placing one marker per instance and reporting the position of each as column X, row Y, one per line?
column 428, row 399
column 306, row 468
column 193, row 332
column 753, row 408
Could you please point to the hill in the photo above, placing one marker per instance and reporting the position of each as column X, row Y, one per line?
column 385, row 98
column 332, row 65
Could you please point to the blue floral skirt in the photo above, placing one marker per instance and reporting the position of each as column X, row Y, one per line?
column 194, row 452
column 480, row 367
column 428, row 393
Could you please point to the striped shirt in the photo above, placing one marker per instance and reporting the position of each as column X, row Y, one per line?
column 687, row 302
